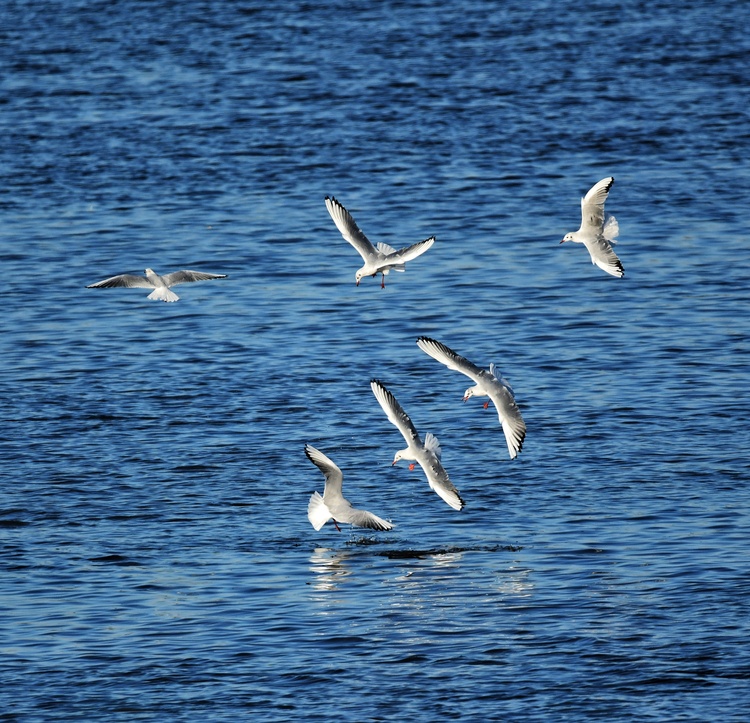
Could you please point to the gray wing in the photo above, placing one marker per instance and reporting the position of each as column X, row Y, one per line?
column 410, row 252
column 333, row 474
column 440, row 482
column 510, row 415
column 395, row 413
column 185, row 276
column 592, row 206
column 445, row 355
column 603, row 256
column 362, row 518
column 128, row 281
column 349, row 229
column 333, row 502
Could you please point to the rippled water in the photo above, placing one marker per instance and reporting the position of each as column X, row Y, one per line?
column 157, row 560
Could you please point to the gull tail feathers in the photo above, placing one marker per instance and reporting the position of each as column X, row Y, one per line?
column 162, row 293
column 317, row 511
column 431, row 443
column 611, row 229
column 384, row 248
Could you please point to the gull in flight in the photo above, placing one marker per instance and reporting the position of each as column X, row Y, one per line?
column 333, row 505
column 378, row 260
column 159, row 284
column 598, row 230
column 426, row 453
column 488, row 384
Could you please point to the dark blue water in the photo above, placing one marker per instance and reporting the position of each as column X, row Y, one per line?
column 157, row 562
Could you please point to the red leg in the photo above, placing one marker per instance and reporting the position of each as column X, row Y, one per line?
column 382, row 283
column 336, row 524
column 487, row 404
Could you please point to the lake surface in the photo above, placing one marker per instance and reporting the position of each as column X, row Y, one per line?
column 157, row 561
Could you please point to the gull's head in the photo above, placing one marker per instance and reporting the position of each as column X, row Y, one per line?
column 567, row 237
column 398, row 456
column 469, row 392
column 149, row 272
column 358, row 277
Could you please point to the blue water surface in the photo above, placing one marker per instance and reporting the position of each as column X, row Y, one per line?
column 157, row 561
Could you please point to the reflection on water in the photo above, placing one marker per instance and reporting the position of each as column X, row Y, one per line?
column 515, row 582
column 328, row 568
column 426, row 580
column 153, row 557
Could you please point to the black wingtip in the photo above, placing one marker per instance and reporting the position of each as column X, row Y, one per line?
column 380, row 385
column 308, row 453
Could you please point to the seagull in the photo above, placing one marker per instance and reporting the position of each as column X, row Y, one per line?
column 333, row 505
column 426, row 453
column 488, row 384
column 152, row 280
column 598, row 230
column 380, row 260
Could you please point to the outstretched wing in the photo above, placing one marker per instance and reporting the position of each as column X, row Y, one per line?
column 439, row 481
column 509, row 414
column 349, row 229
column 333, row 474
column 410, row 252
column 185, row 276
column 603, row 256
column 592, row 206
column 363, row 518
column 395, row 413
column 123, row 281
column 445, row 355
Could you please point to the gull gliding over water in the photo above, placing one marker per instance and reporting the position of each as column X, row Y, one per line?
column 488, row 384
column 598, row 231
column 159, row 284
column 378, row 260
column 333, row 505
column 426, row 453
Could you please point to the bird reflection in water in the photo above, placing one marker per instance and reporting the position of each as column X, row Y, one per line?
column 329, row 568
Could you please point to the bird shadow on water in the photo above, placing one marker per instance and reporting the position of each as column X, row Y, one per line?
column 356, row 544
column 365, row 559
column 421, row 553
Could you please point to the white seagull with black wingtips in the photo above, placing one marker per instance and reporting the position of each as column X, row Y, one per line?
column 488, row 384
column 378, row 260
column 159, row 285
column 333, row 505
column 598, row 230
column 426, row 454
